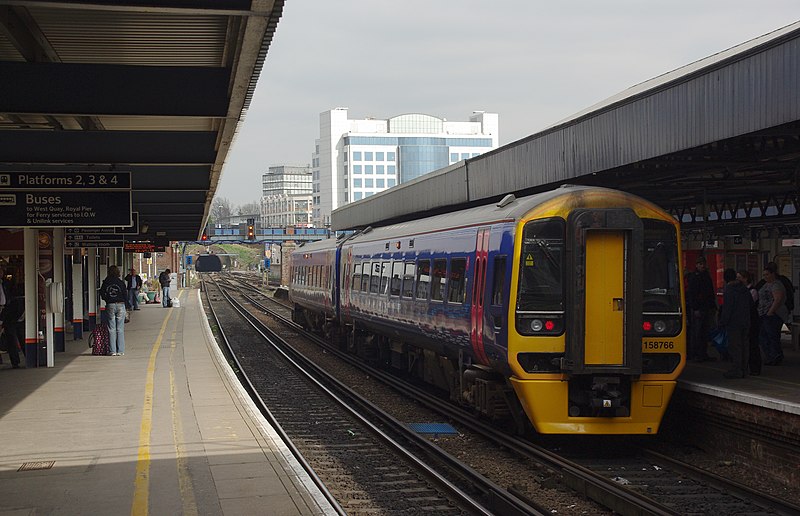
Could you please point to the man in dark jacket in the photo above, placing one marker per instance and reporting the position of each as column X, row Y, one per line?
column 701, row 306
column 164, row 279
column 13, row 321
column 133, row 282
column 735, row 320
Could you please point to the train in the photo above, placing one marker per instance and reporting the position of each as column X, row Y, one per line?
column 558, row 312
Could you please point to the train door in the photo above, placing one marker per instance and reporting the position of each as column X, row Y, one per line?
column 478, row 291
column 605, row 292
column 605, row 297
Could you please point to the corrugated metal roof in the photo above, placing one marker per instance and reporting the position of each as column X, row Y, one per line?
column 150, row 39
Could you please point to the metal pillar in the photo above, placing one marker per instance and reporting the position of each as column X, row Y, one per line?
column 31, row 262
column 58, row 277
column 77, row 296
column 92, row 276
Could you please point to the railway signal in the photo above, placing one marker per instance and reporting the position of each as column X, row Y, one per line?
column 251, row 229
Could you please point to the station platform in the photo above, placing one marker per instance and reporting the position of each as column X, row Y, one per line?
column 776, row 388
column 164, row 429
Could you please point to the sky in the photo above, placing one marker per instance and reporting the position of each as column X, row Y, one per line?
column 533, row 62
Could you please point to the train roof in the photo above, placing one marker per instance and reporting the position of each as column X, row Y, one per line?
column 318, row 245
column 487, row 214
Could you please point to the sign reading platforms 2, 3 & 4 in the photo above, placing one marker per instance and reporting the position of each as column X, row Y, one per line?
column 65, row 199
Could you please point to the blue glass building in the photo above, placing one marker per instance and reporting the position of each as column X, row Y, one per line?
column 355, row 159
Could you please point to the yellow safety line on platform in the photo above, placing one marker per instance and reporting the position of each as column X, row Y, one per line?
column 141, row 489
column 182, row 462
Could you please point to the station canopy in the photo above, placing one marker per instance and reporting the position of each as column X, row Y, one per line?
column 154, row 87
column 715, row 142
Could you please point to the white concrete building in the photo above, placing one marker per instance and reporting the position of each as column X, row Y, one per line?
column 354, row 159
column 286, row 196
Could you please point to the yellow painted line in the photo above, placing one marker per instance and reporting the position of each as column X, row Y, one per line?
column 141, row 490
column 181, row 457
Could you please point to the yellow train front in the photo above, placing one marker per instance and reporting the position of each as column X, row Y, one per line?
column 598, row 338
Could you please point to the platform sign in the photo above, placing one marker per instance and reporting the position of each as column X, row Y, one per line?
column 89, row 231
column 94, row 243
column 130, row 230
column 32, row 180
column 65, row 209
column 99, row 237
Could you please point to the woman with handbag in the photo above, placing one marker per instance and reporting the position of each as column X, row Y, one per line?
column 115, row 295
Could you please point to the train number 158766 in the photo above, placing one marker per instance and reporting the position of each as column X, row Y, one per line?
column 658, row 344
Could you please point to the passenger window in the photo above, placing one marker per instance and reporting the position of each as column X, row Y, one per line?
column 423, row 279
column 365, row 277
column 397, row 277
column 457, row 289
column 499, row 280
column 375, row 279
column 356, row 277
column 408, row 279
column 438, row 283
column 386, row 270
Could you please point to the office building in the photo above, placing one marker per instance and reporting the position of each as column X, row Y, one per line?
column 286, row 196
column 355, row 159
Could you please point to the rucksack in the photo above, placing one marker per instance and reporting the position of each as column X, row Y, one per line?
column 787, row 284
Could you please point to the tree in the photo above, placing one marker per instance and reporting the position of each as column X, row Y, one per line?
column 250, row 208
column 220, row 209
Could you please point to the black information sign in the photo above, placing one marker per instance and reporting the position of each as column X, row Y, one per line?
column 86, row 237
column 65, row 180
column 143, row 247
column 130, row 230
column 65, row 209
column 96, row 243
column 88, row 231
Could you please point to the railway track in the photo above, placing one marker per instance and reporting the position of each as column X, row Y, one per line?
column 367, row 461
column 643, row 482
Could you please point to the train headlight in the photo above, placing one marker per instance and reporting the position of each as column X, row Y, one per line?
column 661, row 325
column 537, row 325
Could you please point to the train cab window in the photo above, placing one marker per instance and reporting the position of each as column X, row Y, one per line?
column 397, row 278
column 356, row 285
column 457, row 281
column 408, row 279
column 365, row 277
column 542, row 266
column 661, row 299
column 438, row 282
column 423, row 279
column 386, row 271
column 498, row 280
column 375, row 279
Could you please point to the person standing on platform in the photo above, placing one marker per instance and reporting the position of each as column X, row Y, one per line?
column 754, row 360
column 772, row 312
column 115, row 295
column 734, row 318
column 133, row 282
column 164, row 279
column 701, row 305
column 12, row 319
